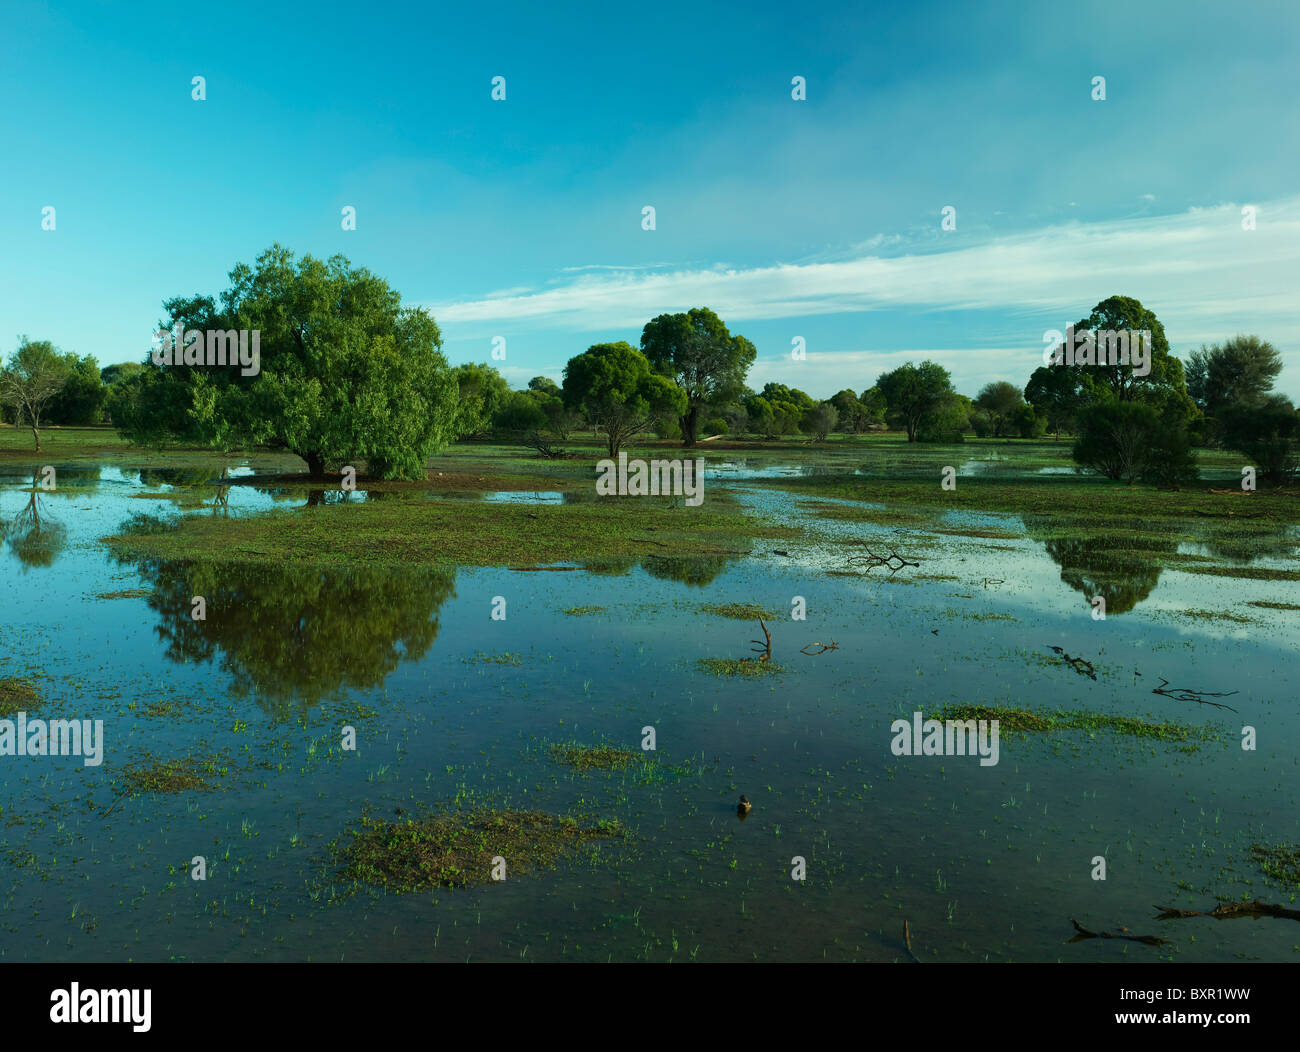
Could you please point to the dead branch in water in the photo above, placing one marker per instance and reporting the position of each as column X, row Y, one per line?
column 817, row 653
column 1123, row 933
column 907, row 941
column 1198, row 696
column 544, row 447
column 762, row 649
column 1231, row 910
column 1084, row 668
column 893, row 560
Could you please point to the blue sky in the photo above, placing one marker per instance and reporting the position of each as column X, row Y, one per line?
column 817, row 219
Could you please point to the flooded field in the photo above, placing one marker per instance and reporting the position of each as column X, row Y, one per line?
column 534, row 689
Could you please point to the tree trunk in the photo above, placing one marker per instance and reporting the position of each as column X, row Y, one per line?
column 37, row 435
column 315, row 464
column 690, row 425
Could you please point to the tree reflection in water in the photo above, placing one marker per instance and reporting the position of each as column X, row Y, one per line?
column 291, row 636
column 34, row 537
column 1096, row 562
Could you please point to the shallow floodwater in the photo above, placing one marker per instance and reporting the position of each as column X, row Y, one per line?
column 452, row 707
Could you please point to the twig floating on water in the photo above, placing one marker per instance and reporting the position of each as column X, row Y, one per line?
column 893, row 560
column 1084, row 668
column 1198, row 696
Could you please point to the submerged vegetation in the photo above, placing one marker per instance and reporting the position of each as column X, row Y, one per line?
column 1025, row 720
column 740, row 667
column 458, row 850
column 594, row 757
column 17, row 695
column 456, row 533
column 1281, row 862
column 150, row 776
column 738, row 611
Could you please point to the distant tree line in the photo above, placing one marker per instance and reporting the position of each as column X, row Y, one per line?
column 349, row 373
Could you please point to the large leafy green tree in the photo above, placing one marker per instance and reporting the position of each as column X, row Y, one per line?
column 1000, row 400
column 82, row 398
column 483, row 393
column 857, row 413
column 35, row 375
column 1268, row 432
column 120, row 372
column 614, row 386
column 520, row 413
column 1029, row 421
column 1128, row 440
column 914, row 393
column 852, row 413
column 1155, row 445
column 1057, row 391
column 762, row 418
column 1163, row 386
column 346, row 371
column 948, row 422
column 700, row 354
column 820, row 420
column 1239, row 371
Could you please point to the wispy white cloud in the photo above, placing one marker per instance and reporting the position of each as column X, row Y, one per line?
column 1196, row 269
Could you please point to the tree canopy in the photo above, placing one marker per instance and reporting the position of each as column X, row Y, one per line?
column 613, row 384
column 346, row 372
column 483, row 393
column 702, row 357
column 1000, row 400
column 915, row 392
column 1239, row 371
column 35, row 375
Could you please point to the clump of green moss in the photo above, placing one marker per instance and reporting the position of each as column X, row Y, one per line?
column 1024, row 720
column 1008, row 719
column 739, row 667
column 1272, row 606
column 127, row 593
column 17, row 695
column 1281, row 862
column 583, row 611
column 1215, row 615
column 514, row 660
column 155, row 776
column 457, row 850
column 738, row 611
column 593, row 757
column 143, row 524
